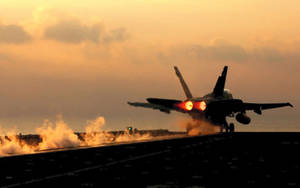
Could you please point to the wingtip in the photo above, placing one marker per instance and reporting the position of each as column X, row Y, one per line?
column 290, row 105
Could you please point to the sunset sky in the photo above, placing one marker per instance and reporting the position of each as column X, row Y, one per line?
column 84, row 59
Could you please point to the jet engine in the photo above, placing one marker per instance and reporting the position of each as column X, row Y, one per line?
column 242, row 118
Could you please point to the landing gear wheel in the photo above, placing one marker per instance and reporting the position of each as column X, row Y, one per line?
column 231, row 127
column 226, row 128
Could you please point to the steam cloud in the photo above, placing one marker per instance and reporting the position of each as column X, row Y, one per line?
column 11, row 144
column 59, row 135
column 94, row 134
column 199, row 127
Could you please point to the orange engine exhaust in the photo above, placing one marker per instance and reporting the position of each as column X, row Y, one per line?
column 185, row 105
column 200, row 105
column 189, row 105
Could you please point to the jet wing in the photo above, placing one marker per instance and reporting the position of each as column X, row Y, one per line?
column 164, row 105
column 237, row 105
column 257, row 107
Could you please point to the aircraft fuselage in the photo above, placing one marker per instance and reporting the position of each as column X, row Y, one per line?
column 213, row 107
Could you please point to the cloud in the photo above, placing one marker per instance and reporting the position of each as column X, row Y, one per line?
column 13, row 34
column 4, row 57
column 73, row 31
column 268, row 54
column 119, row 34
column 223, row 51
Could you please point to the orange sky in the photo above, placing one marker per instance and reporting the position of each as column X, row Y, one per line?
column 89, row 58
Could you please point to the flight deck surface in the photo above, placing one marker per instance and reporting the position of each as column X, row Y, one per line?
column 235, row 159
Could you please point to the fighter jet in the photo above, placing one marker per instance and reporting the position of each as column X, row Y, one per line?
column 213, row 107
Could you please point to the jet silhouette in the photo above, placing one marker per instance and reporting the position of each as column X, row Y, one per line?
column 213, row 107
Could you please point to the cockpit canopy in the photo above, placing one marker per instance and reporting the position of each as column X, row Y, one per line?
column 227, row 94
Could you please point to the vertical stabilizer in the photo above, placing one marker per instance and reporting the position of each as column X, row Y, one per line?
column 219, row 87
column 183, row 84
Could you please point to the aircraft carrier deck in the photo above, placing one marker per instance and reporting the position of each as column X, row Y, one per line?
column 222, row 160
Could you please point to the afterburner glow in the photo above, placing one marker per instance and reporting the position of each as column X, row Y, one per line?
column 188, row 105
column 202, row 106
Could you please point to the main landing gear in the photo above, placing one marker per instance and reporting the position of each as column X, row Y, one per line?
column 229, row 128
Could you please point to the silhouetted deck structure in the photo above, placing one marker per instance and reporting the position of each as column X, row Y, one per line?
column 223, row 160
